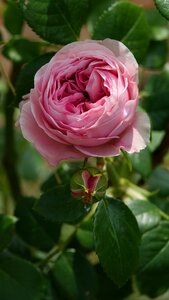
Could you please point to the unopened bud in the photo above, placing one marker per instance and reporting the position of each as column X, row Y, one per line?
column 89, row 185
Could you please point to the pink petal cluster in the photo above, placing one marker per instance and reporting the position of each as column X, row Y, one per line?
column 84, row 103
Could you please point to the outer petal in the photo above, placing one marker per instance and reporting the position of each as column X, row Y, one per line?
column 134, row 139
column 137, row 136
column 124, row 55
column 51, row 150
column 108, row 149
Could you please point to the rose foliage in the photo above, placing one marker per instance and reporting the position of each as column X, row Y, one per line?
column 84, row 149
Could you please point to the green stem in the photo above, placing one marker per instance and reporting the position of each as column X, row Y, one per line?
column 7, row 79
column 71, row 231
column 85, row 162
column 9, row 156
column 164, row 215
column 59, row 248
column 137, row 193
column 100, row 163
column 112, row 173
column 132, row 190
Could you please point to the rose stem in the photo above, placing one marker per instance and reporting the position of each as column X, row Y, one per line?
column 9, row 156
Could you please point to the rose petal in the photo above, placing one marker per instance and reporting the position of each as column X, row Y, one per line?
column 108, row 149
column 84, row 103
column 51, row 150
column 124, row 55
column 137, row 136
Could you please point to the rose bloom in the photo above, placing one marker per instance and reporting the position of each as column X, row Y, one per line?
column 84, row 103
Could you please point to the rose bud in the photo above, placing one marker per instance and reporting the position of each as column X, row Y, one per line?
column 84, row 103
column 89, row 185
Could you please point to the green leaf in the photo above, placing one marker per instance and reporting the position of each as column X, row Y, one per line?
column 25, row 80
column 19, row 279
column 29, row 164
column 74, row 276
column 58, row 205
column 84, row 235
column 20, row 50
column 97, row 7
column 141, row 162
column 155, row 248
column 156, row 100
column 159, row 180
column 13, row 17
column 162, row 203
column 158, row 25
column 58, row 21
column 156, row 55
column 156, row 139
column 146, row 213
column 7, row 224
column 163, row 7
column 117, row 239
column 126, row 22
column 34, row 229
column 153, row 273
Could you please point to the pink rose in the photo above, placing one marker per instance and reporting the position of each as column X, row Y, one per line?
column 84, row 103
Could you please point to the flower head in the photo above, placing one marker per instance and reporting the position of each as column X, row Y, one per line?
column 84, row 103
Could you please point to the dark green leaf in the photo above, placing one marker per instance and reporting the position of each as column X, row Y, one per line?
column 20, row 248
column 141, row 162
column 49, row 291
column 156, row 100
column 20, row 50
column 13, row 17
column 163, row 7
column 58, row 205
column 117, row 238
column 57, row 21
column 156, row 55
column 34, row 229
column 146, row 213
column 19, row 279
column 6, row 230
column 75, row 277
column 155, row 248
column 63, row 175
column 126, row 22
column 108, row 290
column 67, row 169
column 159, row 181
column 49, row 183
column 97, row 7
column 154, row 260
column 25, row 80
